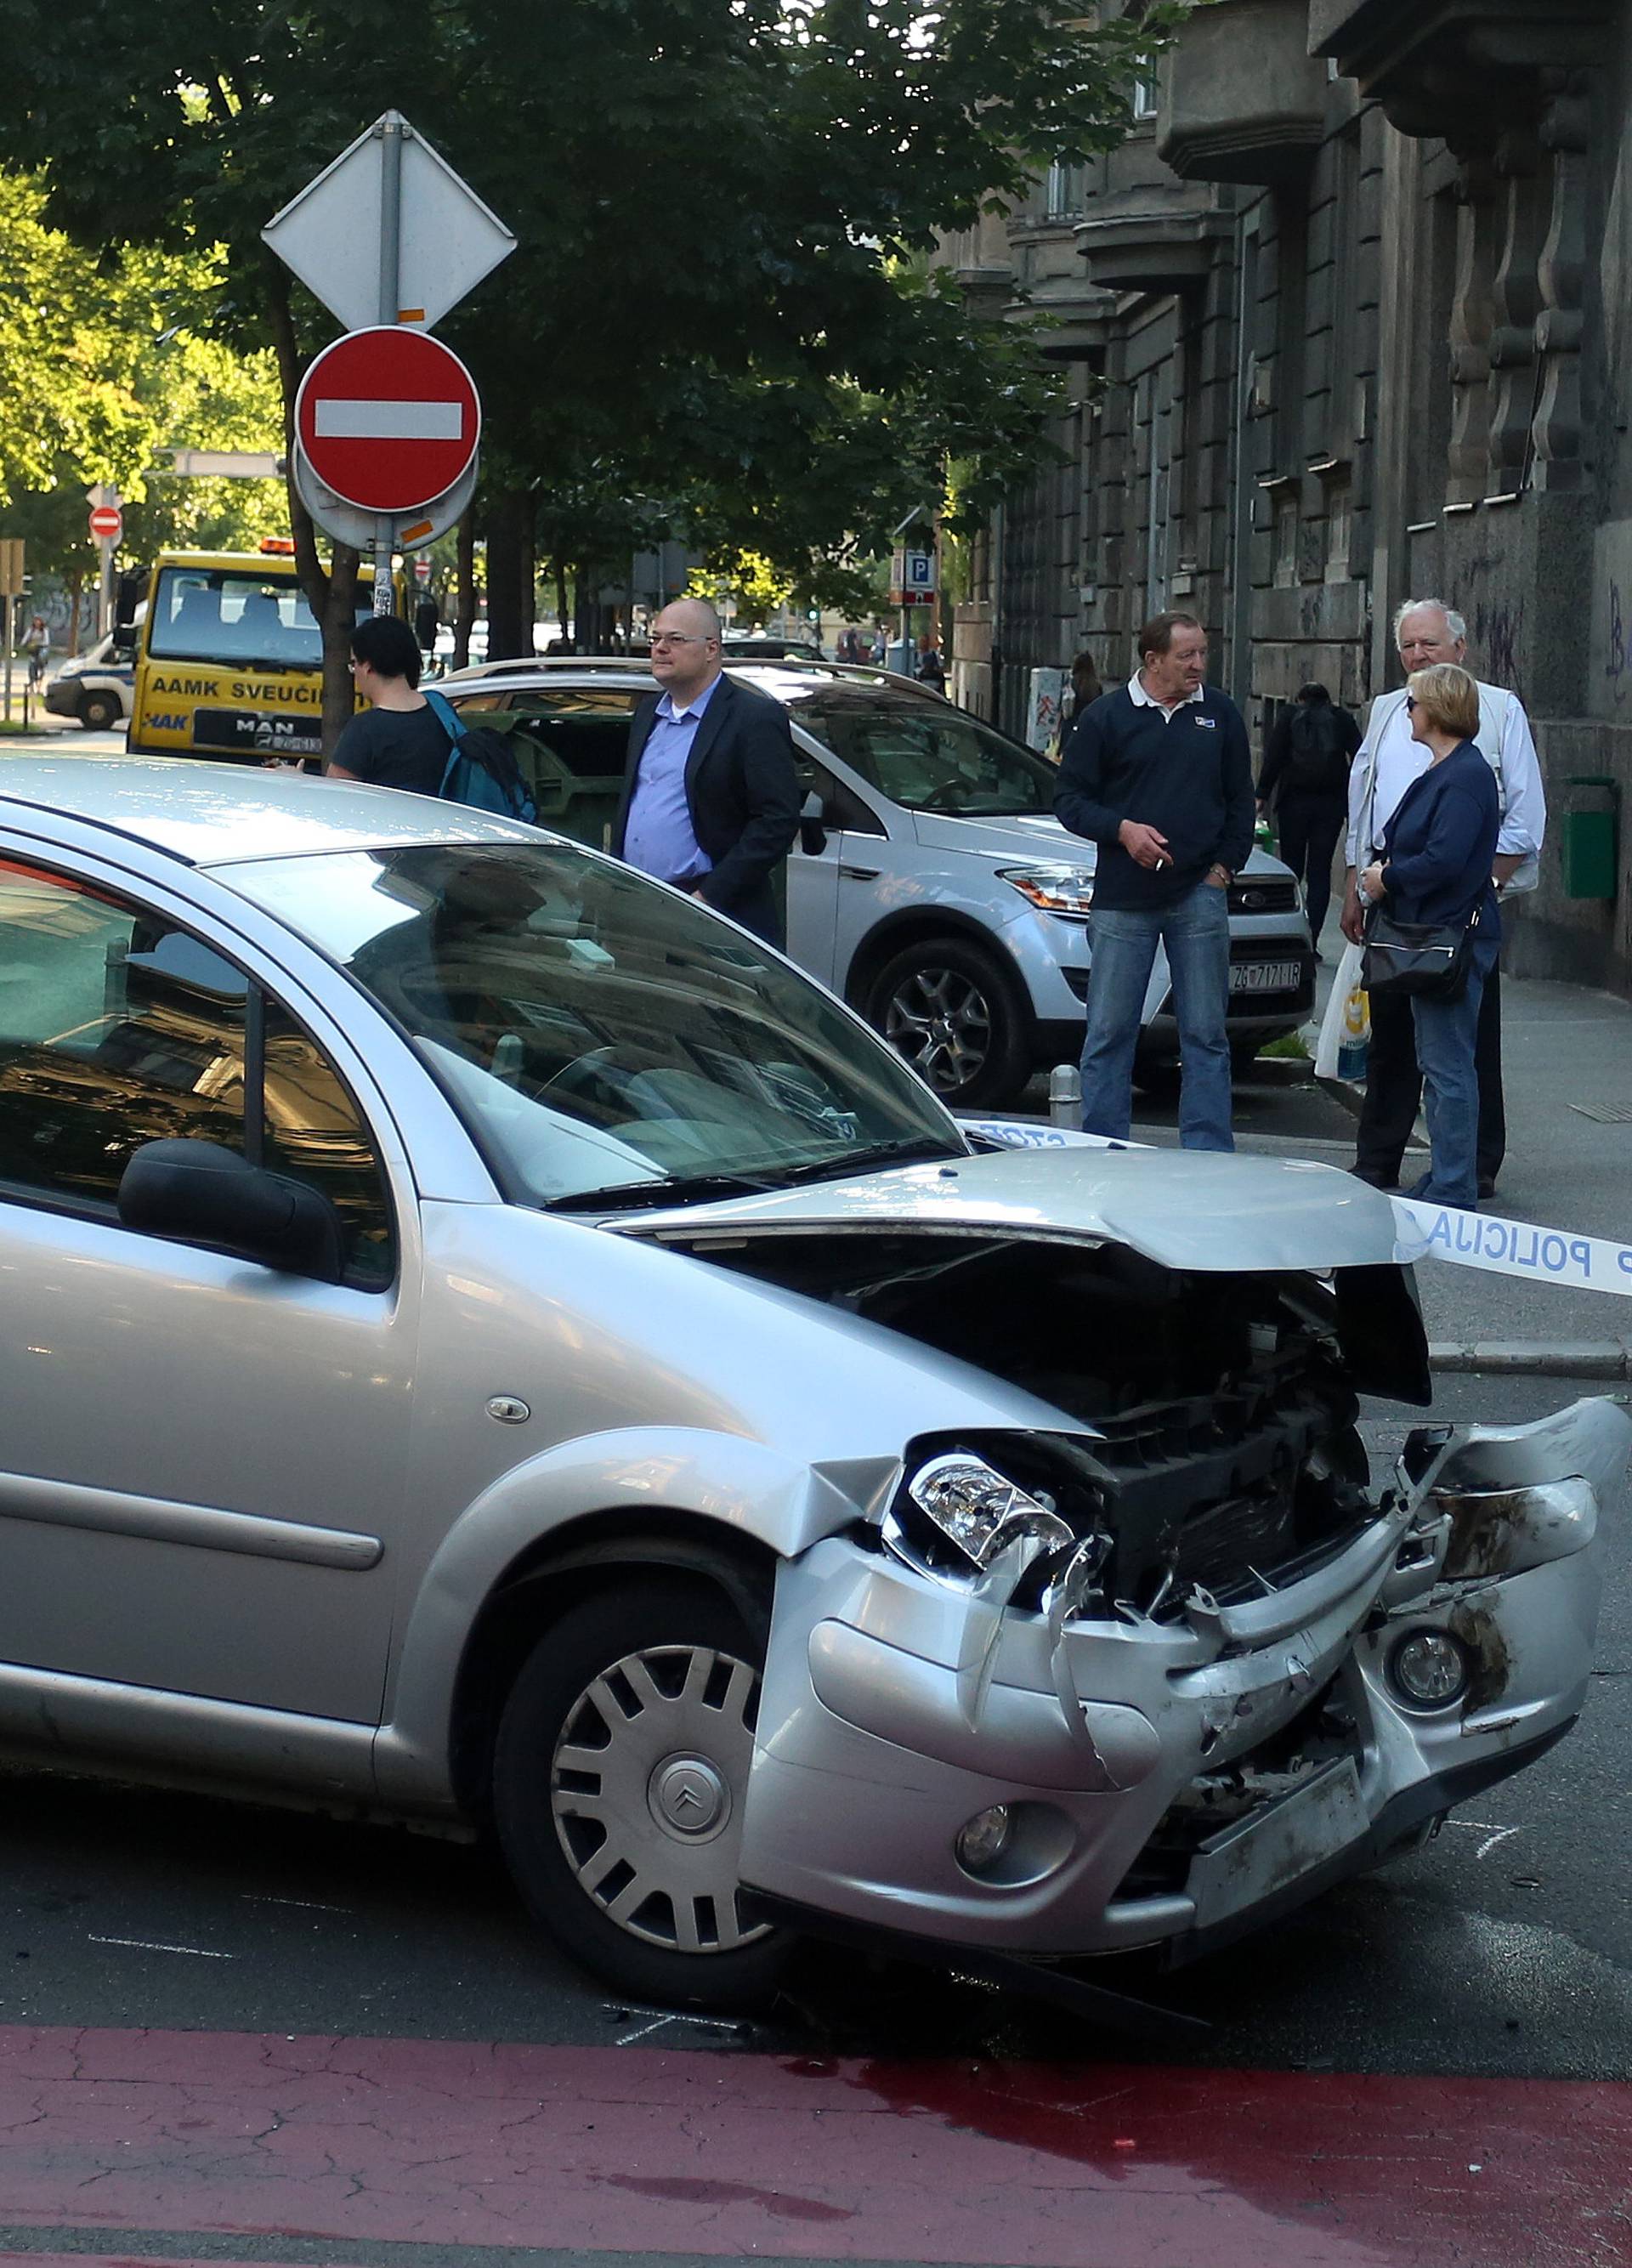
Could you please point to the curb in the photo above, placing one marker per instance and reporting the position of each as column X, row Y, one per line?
column 1534, row 1358
column 1347, row 1091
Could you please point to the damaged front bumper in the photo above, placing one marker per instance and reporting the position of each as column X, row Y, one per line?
column 1176, row 1782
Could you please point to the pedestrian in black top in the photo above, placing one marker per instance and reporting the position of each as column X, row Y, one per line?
column 1158, row 774
column 1304, row 782
column 1435, row 868
column 398, row 741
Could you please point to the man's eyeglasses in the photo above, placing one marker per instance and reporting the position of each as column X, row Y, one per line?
column 673, row 637
column 1410, row 700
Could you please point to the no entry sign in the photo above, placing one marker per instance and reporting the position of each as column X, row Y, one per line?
column 107, row 523
column 388, row 418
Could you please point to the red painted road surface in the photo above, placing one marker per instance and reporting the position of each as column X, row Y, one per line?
column 597, row 2150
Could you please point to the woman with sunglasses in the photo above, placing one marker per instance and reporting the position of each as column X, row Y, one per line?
column 1435, row 868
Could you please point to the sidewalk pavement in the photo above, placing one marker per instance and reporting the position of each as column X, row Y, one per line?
column 1567, row 1060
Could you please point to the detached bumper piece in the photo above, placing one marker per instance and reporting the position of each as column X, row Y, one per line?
column 955, row 1772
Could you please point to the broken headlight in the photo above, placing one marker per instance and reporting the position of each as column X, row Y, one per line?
column 960, row 1518
column 983, row 1514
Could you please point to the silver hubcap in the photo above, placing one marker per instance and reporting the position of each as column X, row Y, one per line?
column 646, row 1785
column 941, row 1022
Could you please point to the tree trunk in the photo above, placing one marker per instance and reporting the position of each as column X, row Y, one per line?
column 561, row 616
column 465, row 613
column 509, row 520
column 331, row 595
column 76, row 592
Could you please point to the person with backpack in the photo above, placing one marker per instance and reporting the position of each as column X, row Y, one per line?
column 406, row 739
column 1305, row 782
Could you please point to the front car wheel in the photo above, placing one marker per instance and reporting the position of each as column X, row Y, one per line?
column 620, row 1779
column 947, row 1006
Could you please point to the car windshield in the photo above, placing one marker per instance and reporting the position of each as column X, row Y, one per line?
column 598, row 1035
column 927, row 755
column 217, row 613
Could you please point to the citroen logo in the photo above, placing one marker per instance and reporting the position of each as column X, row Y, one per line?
column 689, row 1797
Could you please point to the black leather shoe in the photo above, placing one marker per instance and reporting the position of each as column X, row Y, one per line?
column 1374, row 1179
column 1487, row 1185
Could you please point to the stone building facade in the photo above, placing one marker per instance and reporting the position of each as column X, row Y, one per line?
column 1348, row 317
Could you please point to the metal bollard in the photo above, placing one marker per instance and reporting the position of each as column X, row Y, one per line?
column 1065, row 1097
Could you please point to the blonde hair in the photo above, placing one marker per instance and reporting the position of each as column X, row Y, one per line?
column 1448, row 698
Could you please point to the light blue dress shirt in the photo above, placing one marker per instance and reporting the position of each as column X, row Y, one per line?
column 657, row 835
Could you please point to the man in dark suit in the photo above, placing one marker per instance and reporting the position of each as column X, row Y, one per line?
column 710, row 799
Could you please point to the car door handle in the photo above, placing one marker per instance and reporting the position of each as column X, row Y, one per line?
column 859, row 873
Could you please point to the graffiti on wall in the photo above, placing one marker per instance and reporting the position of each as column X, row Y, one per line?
column 1618, row 658
column 1497, row 633
column 1609, row 661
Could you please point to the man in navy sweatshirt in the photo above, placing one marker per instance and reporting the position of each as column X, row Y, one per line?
column 1159, row 774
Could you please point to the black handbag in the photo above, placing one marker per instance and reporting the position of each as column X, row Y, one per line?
column 1419, row 960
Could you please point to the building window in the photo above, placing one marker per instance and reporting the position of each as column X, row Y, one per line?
column 1339, row 530
column 1064, row 197
column 1144, row 90
column 1286, row 532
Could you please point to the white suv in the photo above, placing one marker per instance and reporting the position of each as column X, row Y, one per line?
column 931, row 884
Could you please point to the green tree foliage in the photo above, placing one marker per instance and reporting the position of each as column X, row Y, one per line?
column 720, row 321
column 103, row 363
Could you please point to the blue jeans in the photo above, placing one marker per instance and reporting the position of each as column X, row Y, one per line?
column 1445, row 1049
column 1195, row 931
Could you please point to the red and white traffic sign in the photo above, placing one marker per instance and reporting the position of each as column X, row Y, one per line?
column 107, row 523
column 388, row 418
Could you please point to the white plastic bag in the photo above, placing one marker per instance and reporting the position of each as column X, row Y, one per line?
column 1346, row 1027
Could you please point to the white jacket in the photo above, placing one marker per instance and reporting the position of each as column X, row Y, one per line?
column 1503, row 739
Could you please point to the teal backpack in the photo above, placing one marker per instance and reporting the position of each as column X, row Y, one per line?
column 482, row 771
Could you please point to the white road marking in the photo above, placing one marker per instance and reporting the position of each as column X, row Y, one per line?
column 629, row 2038
column 311, row 1905
column 388, row 421
column 146, row 1945
column 1488, row 1828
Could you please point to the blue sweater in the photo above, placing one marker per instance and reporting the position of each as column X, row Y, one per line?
column 1190, row 778
column 1440, row 842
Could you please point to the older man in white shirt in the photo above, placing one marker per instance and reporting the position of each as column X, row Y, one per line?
column 1389, row 759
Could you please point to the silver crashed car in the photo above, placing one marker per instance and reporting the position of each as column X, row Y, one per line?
column 484, row 1339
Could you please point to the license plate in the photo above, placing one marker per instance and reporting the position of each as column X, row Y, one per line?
column 248, row 732
column 1265, row 976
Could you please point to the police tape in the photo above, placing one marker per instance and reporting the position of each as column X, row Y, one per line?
column 1522, row 1249
column 1510, row 1248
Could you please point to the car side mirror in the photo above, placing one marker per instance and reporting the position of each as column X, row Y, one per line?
column 203, row 1194
column 124, row 637
column 812, row 834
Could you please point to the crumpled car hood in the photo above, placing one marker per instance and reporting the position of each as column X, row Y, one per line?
column 1184, row 1209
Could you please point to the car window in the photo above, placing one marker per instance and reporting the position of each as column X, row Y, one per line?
column 597, row 1031
column 117, row 1027
column 237, row 614
column 929, row 756
column 571, row 749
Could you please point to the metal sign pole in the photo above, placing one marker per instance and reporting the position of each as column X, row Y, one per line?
column 390, row 312
column 10, row 605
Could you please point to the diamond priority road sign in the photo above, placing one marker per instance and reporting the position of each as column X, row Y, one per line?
column 388, row 418
column 330, row 234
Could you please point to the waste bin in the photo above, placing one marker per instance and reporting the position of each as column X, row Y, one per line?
column 1590, row 841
